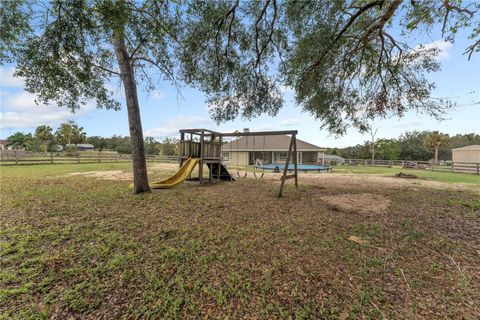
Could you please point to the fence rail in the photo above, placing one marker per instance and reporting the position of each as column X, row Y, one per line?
column 30, row 158
column 448, row 166
column 22, row 158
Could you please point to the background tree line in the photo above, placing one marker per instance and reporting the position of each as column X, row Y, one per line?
column 69, row 134
column 44, row 139
column 122, row 144
column 413, row 145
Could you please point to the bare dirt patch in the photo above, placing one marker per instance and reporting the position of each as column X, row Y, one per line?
column 360, row 203
column 105, row 175
column 120, row 175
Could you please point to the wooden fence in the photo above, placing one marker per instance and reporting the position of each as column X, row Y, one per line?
column 448, row 166
column 30, row 158
column 22, row 158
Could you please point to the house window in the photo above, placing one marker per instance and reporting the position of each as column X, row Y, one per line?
column 281, row 156
column 226, row 156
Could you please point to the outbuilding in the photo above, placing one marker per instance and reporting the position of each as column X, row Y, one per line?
column 81, row 146
column 468, row 154
column 466, row 159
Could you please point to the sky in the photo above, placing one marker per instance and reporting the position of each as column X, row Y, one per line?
column 165, row 111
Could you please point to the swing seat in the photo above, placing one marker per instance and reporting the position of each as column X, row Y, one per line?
column 240, row 176
column 261, row 175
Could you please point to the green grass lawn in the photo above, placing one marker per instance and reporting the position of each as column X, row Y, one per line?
column 73, row 247
column 451, row 177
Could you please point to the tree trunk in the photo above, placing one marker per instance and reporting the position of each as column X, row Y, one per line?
column 436, row 154
column 373, row 152
column 140, row 178
column 45, row 147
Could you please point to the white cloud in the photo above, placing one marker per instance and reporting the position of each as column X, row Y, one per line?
column 7, row 80
column 289, row 121
column 172, row 126
column 442, row 46
column 11, row 120
column 19, row 110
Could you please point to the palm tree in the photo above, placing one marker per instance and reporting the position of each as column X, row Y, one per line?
column 20, row 141
column 70, row 133
column 44, row 135
column 434, row 140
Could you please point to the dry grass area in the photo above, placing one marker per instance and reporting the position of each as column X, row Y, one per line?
column 347, row 181
column 78, row 247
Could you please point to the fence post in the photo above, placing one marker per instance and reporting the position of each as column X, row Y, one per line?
column 116, row 157
column 16, row 157
column 51, row 157
column 78, row 157
column 366, row 163
column 99, row 159
column 478, row 168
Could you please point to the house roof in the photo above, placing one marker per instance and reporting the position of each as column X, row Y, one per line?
column 475, row 147
column 268, row 143
column 2, row 141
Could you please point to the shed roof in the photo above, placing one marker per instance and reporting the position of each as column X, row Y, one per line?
column 268, row 143
column 475, row 147
column 81, row 145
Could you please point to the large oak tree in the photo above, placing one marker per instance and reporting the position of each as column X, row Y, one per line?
column 341, row 57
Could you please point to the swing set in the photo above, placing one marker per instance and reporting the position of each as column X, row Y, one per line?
column 206, row 146
column 258, row 163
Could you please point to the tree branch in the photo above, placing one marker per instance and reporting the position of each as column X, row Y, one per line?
column 471, row 49
column 383, row 19
column 353, row 18
column 449, row 7
column 270, row 35
column 139, row 45
column 260, row 17
column 105, row 69
column 164, row 70
column 219, row 28
column 232, row 10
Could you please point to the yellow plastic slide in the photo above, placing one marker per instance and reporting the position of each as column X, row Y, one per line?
column 181, row 175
